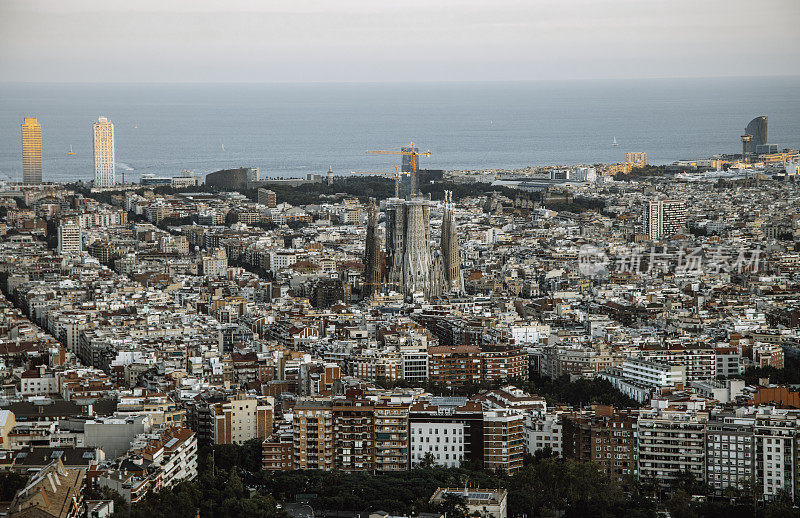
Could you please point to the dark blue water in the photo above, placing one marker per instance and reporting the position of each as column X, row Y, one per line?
column 291, row 130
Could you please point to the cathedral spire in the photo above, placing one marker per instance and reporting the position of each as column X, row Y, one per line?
column 372, row 261
column 451, row 260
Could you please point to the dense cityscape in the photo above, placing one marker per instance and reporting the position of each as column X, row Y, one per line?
column 586, row 340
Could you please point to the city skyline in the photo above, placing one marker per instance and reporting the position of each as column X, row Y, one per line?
column 400, row 260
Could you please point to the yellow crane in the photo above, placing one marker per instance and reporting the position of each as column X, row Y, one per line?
column 397, row 174
column 414, row 154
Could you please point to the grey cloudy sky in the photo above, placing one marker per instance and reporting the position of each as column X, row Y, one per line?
column 377, row 40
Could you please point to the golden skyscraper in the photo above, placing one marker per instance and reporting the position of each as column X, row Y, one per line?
column 31, row 151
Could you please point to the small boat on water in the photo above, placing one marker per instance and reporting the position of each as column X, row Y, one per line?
column 70, row 152
column 614, row 144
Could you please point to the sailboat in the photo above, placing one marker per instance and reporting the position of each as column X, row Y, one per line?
column 615, row 142
column 223, row 147
column 70, row 152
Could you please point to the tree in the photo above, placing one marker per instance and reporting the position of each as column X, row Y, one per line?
column 453, row 505
column 680, row 505
column 427, row 461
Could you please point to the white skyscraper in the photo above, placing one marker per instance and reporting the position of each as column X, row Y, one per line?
column 103, row 133
column 663, row 218
column 70, row 237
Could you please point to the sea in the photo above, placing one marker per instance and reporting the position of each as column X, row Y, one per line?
column 290, row 130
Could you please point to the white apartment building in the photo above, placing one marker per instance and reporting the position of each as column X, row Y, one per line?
column 443, row 440
column 216, row 264
column 776, row 433
column 176, row 455
column 173, row 457
column 700, row 362
column 729, row 363
column 722, row 391
column 243, row 418
column 103, row 138
column 102, row 218
column 730, row 456
column 662, row 218
column 653, row 374
column 38, row 382
column 280, row 259
column 70, row 237
column 543, row 430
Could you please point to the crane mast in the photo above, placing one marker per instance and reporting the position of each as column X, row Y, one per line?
column 414, row 163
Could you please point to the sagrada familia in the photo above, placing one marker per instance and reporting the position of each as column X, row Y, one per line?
column 413, row 266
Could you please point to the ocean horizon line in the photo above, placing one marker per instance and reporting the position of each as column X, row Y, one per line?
column 412, row 82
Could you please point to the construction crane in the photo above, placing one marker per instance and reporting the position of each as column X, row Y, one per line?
column 397, row 174
column 413, row 153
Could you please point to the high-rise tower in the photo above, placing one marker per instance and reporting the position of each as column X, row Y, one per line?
column 372, row 260
column 451, row 261
column 746, row 140
column 103, row 135
column 70, row 237
column 31, row 151
column 758, row 129
column 663, row 218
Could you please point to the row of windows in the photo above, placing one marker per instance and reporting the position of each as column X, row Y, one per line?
column 435, row 431
column 438, row 456
column 436, row 448
column 428, row 439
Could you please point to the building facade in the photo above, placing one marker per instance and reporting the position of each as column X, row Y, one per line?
column 103, row 145
column 70, row 237
column 663, row 218
column 672, row 440
column 503, row 440
column 447, row 431
column 243, row 418
column 31, row 151
column 757, row 129
column 636, row 159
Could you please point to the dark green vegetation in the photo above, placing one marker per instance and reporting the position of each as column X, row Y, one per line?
column 378, row 187
column 363, row 187
column 546, row 484
column 788, row 375
column 640, row 173
column 577, row 393
column 577, row 205
column 217, row 492
column 560, row 391
column 231, row 485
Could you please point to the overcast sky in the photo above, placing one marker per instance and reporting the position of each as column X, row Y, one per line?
column 377, row 40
